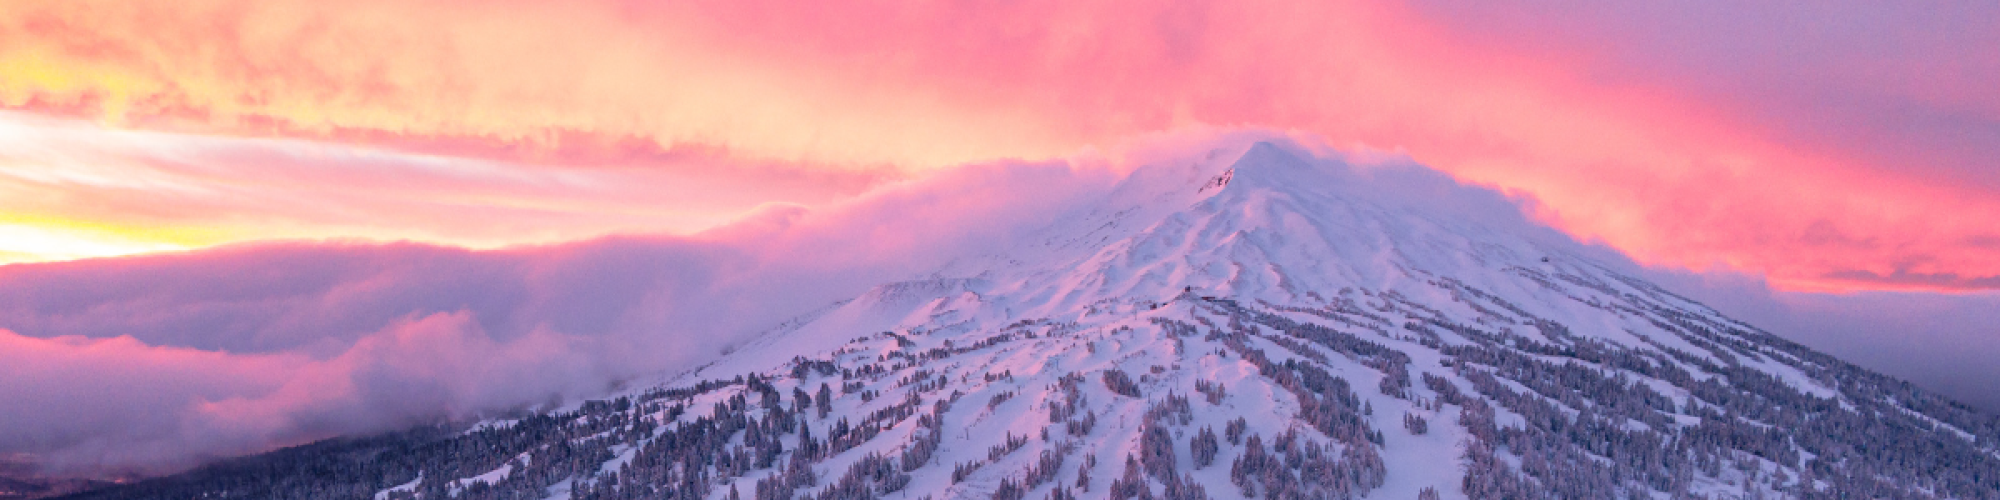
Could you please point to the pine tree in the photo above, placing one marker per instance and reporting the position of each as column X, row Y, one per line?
column 824, row 401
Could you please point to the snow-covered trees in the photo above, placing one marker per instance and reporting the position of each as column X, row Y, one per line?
column 1204, row 447
column 1546, row 412
column 1210, row 390
column 1120, row 383
column 1415, row 424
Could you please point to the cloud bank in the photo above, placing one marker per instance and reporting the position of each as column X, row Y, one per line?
column 145, row 364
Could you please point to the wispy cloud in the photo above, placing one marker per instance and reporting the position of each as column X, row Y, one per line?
column 71, row 189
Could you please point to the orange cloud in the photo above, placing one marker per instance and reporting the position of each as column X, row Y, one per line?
column 74, row 190
column 504, row 70
column 1652, row 162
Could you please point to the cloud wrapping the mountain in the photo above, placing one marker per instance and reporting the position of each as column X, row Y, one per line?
column 149, row 363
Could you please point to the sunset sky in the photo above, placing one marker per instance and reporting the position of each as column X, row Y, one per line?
column 1827, row 156
column 1825, row 145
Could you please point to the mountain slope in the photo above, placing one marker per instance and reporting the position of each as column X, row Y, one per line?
column 1247, row 324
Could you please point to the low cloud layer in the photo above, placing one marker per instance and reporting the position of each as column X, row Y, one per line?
column 150, row 363
column 1945, row 342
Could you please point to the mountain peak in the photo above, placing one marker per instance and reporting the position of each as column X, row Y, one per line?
column 1381, row 350
column 1265, row 155
column 1265, row 164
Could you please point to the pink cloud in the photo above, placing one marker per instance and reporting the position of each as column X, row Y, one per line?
column 112, row 402
column 117, row 405
column 154, row 362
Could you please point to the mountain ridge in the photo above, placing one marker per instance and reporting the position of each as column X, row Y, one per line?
column 1247, row 324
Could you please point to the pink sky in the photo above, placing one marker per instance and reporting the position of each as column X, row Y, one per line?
column 1841, row 145
column 1838, row 152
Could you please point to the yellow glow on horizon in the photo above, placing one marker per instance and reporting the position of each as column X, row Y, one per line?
column 21, row 243
column 175, row 236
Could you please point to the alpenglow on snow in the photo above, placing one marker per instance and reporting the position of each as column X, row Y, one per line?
column 1250, row 324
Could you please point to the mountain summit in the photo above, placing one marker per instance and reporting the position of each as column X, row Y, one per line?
column 1249, row 324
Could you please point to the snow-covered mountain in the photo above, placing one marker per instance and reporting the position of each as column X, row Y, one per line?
column 1245, row 324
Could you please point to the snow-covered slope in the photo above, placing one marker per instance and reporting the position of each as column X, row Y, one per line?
column 1250, row 324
